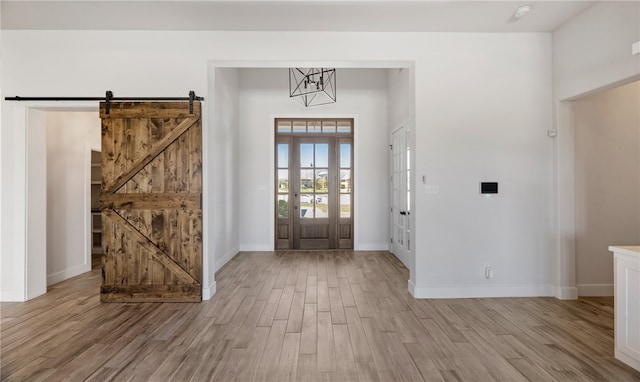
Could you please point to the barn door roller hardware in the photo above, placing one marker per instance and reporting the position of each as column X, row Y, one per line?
column 109, row 97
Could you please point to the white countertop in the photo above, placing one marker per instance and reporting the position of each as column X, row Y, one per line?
column 631, row 250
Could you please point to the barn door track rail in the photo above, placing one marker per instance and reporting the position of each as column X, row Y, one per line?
column 109, row 97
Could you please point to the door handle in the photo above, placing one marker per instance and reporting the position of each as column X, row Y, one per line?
column 403, row 212
column 295, row 207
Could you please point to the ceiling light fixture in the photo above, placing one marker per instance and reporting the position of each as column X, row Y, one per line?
column 522, row 11
column 312, row 86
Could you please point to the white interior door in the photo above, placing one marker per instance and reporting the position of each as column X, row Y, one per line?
column 400, row 194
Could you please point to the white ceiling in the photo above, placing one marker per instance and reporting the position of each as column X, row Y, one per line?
column 288, row 15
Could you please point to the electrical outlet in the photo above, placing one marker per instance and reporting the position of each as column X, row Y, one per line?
column 431, row 189
column 488, row 271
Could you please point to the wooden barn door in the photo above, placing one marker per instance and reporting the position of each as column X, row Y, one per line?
column 151, row 202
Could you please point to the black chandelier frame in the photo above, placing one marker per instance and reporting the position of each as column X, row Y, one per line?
column 313, row 86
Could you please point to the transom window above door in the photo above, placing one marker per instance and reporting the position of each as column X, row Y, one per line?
column 314, row 126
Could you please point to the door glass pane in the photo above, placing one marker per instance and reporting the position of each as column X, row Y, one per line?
column 299, row 127
column 408, row 180
column 345, row 206
column 345, row 155
column 345, row 180
column 306, row 155
column 344, row 127
column 313, row 126
column 283, row 180
column 306, row 180
column 283, row 206
column 322, row 180
column 322, row 205
column 306, row 205
column 322, row 155
column 329, row 126
column 284, row 126
column 283, row 155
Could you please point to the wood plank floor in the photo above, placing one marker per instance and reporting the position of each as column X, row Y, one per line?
column 308, row 316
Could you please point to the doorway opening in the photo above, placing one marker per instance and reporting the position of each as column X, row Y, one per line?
column 96, row 219
column 314, row 183
column 71, row 140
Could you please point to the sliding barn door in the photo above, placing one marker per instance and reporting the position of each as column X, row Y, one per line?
column 151, row 202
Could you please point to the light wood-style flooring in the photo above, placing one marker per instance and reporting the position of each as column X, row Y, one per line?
column 308, row 316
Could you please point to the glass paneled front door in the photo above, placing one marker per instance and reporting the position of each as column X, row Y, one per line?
column 314, row 187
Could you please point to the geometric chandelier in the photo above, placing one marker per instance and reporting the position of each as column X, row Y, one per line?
column 312, row 86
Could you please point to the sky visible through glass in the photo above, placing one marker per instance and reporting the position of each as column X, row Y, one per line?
column 322, row 155
column 345, row 155
column 283, row 155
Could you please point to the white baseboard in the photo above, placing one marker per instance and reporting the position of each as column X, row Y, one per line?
column 208, row 292
column 634, row 362
column 256, row 248
column 371, row 246
column 566, row 293
column 11, row 296
column 225, row 258
column 67, row 273
column 471, row 291
column 595, row 289
column 412, row 289
column 357, row 247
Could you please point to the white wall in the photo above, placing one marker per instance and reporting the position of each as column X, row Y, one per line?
column 485, row 119
column 482, row 110
column 400, row 97
column 361, row 93
column 224, row 158
column 591, row 52
column 36, row 169
column 70, row 138
column 13, row 254
column 607, row 183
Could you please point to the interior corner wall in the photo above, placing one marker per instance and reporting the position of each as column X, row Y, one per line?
column 223, row 143
column 400, row 100
column 401, row 114
column 607, row 165
column 264, row 95
column 13, row 252
column 70, row 137
column 591, row 52
column 36, row 203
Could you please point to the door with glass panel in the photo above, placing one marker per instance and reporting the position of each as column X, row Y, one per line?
column 400, row 194
column 314, row 198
